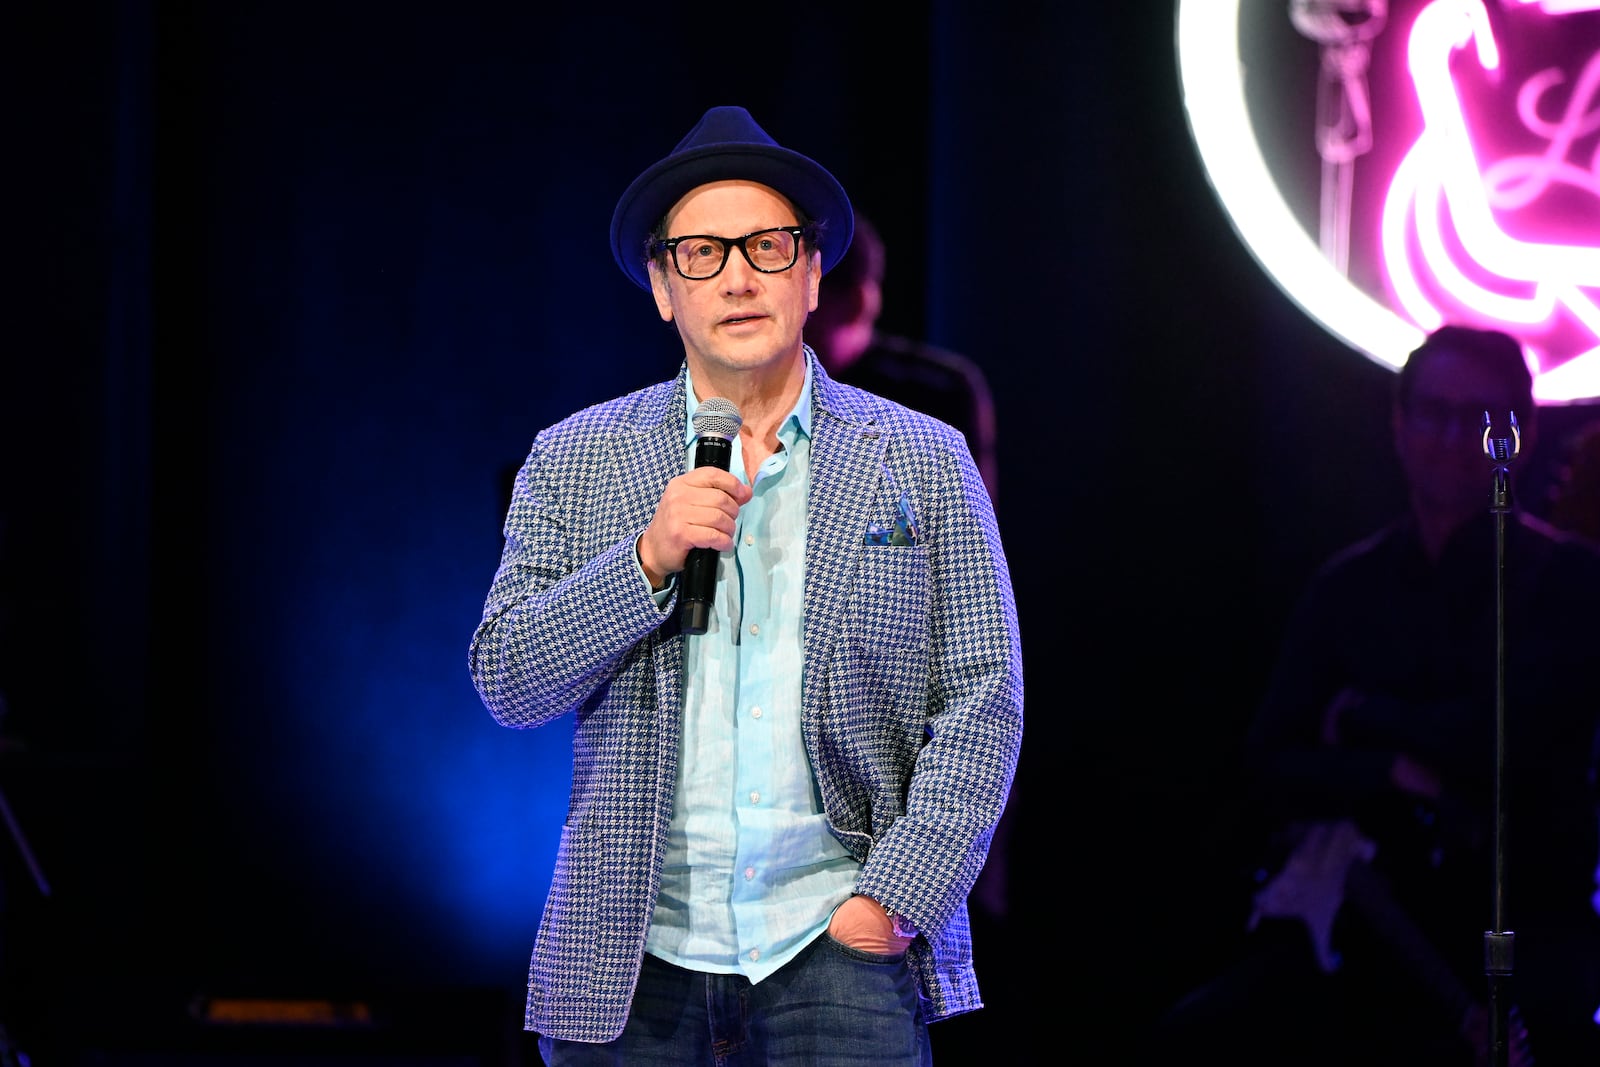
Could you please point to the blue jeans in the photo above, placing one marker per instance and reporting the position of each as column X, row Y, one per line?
column 830, row 1006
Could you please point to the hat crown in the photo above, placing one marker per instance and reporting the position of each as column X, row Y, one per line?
column 724, row 125
column 727, row 145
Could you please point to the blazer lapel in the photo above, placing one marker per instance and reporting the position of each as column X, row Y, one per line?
column 846, row 457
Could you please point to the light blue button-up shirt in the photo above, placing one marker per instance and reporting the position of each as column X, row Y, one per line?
column 752, row 872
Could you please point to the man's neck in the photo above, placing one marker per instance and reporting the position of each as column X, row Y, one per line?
column 763, row 395
column 1436, row 528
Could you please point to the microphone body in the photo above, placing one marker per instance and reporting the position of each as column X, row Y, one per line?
column 716, row 424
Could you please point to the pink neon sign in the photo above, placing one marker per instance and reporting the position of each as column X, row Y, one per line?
column 1459, row 145
column 1493, row 214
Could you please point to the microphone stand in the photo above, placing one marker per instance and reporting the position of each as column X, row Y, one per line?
column 1499, row 942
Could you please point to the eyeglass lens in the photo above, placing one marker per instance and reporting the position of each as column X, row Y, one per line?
column 1434, row 414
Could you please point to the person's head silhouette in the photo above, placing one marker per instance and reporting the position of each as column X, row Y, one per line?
column 851, row 299
column 1442, row 393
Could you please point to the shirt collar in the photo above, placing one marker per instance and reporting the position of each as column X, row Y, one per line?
column 796, row 426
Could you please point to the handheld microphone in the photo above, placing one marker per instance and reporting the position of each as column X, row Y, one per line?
column 716, row 424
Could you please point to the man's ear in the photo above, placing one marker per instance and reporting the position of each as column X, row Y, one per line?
column 661, row 289
column 871, row 300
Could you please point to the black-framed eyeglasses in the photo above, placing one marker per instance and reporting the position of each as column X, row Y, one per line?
column 1436, row 415
column 699, row 256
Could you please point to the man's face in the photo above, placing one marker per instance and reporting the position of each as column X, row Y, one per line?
column 742, row 318
column 1439, row 435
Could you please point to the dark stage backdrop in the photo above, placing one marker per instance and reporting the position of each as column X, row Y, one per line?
column 299, row 283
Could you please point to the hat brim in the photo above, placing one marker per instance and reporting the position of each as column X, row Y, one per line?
column 806, row 184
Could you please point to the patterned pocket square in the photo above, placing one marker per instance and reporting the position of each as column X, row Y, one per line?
column 904, row 531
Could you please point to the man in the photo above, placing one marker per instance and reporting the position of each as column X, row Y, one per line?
column 774, row 823
column 1373, row 766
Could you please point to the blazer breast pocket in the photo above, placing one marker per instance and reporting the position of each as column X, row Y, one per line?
column 890, row 600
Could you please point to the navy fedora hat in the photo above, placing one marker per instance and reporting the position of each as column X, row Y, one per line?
column 727, row 144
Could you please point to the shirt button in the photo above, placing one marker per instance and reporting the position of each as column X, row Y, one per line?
column 755, row 628
column 755, row 713
column 749, row 539
column 755, row 954
column 755, row 798
column 749, row 873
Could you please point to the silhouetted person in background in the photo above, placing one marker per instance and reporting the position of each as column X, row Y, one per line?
column 1371, row 766
column 1574, row 501
column 844, row 331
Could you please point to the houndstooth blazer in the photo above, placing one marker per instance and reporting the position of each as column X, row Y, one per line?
column 912, row 685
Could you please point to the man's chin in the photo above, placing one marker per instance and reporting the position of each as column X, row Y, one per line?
column 752, row 353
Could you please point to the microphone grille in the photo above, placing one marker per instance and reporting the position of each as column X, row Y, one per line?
column 717, row 417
